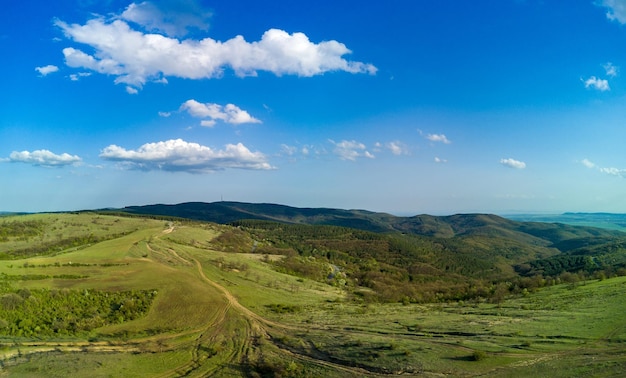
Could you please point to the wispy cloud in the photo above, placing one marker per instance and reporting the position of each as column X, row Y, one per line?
column 78, row 76
column 440, row 160
column 45, row 70
column 179, row 155
column 350, row 150
column 397, row 148
column 587, row 163
column 612, row 171
column 173, row 18
column 43, row 158
column 599, row 84
column 213, row 112
column 616, row 10
column 288, row 150
column 300, row 151
column 512, row 163
column 135, row 57
column 610, row 69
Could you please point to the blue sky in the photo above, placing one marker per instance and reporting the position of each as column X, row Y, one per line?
column 407, row 107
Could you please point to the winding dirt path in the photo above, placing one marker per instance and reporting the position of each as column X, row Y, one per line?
column 256, row 327
column 259, row 327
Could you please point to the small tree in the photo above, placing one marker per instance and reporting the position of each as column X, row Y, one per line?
column 11, row 301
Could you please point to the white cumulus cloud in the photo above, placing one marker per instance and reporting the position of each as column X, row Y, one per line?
column 350, row 150
column 45, row 70
column 616, row 10
column 512, row 163
column 599, row 84
column 135, row 57
column 441, row 138
column 43, row 158
column 213, row 112
column 179, row 155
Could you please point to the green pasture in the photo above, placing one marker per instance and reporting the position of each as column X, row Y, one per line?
column 565, row 326
column 301, row 327
column 60, row 364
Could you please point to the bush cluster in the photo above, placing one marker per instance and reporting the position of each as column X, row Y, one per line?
column 42, row 312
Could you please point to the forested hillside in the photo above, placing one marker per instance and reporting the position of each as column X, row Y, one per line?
column 422, row 258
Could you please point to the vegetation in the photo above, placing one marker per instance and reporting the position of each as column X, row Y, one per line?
column 470, row 296
column 43, row 312
column 416, row 269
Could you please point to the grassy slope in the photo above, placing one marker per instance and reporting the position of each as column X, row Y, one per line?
column 563, row 330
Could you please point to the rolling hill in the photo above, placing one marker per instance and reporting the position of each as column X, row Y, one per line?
column 482, row 246
column 460, row 225
column 113, row 294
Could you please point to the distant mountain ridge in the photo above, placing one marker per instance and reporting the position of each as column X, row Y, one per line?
column 227, row 212
column 611, row 221
column 459, row 225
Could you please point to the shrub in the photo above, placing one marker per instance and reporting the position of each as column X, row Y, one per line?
column 282, row 308
column 478, row 355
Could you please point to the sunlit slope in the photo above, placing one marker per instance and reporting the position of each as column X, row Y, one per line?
column 128, row 257
column 46, row 234
column 194, row 327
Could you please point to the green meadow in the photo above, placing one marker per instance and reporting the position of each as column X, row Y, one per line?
column 212, row 310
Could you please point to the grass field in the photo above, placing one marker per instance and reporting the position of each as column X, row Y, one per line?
column 230, row 314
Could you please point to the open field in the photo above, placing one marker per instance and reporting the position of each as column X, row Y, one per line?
column 232, row 314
